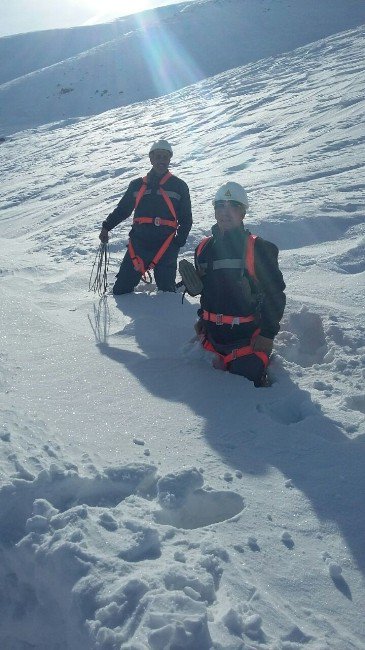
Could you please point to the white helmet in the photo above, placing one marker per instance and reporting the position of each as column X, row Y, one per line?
column 232, row 192
column 161, row 144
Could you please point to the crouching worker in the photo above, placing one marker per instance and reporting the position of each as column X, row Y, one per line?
column 161, row 223
column 242, row 298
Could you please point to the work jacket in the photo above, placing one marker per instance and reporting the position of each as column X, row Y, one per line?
column 228, row 289
column 148, row 236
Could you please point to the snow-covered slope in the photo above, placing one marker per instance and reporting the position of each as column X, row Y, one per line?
column 29, row 52
column 91, row 70
column 148, row 501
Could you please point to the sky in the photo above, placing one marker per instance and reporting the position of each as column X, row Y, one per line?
column 21, row 16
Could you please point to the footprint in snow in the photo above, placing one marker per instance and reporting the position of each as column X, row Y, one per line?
column 186, row 504
column 355, row 402
column 289, row 410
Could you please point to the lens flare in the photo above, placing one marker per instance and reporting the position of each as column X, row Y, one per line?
column 169, row 64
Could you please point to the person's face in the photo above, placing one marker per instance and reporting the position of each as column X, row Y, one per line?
column 229, row 214
column 160, row 161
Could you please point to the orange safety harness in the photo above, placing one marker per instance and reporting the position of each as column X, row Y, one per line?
column 224, row 319
column 137, row 261
column 244, row 351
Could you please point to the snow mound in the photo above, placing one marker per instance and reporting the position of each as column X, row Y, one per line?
column 58, row 568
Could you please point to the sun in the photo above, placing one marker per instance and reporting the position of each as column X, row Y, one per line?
column 110, row 9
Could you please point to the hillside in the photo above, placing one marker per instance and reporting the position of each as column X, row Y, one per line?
column 63, row 74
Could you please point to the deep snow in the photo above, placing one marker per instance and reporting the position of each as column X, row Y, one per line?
column 146, row 500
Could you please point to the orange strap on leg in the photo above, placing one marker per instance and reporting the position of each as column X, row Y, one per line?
column 238, row 352
column 138, row 264
column 244, row 352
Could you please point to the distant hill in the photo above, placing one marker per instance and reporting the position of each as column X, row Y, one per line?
column 60, row 74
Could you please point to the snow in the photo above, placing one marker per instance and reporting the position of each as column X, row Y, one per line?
column 147, row 500
column 67, row 73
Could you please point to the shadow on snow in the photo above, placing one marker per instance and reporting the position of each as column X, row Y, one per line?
column 251, row 429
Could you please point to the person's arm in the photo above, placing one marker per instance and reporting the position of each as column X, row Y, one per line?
column 123, row 210
column 199, row 325
column 184, row 216
column 272, row 285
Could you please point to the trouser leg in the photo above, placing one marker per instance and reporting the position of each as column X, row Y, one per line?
column 127, row 277
column 250, row 366
column 165, row 272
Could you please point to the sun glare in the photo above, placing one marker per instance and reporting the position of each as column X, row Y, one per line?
column 110, row 9
column 170, row 65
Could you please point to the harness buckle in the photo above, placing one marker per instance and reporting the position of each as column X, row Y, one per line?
column 235, row 321
column 234, row 354
column 157, row 221
column 219, row 319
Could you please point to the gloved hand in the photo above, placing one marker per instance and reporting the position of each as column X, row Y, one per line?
column 190, row 278
column 199, row 327
column 263, row 344
column 104, row 236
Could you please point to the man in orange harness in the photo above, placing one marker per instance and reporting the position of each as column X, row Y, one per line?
column 242, row 300
column 162, row 221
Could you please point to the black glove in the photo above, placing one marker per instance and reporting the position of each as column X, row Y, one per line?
column 263, row 344
column 104, row 236
column 199, row 327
